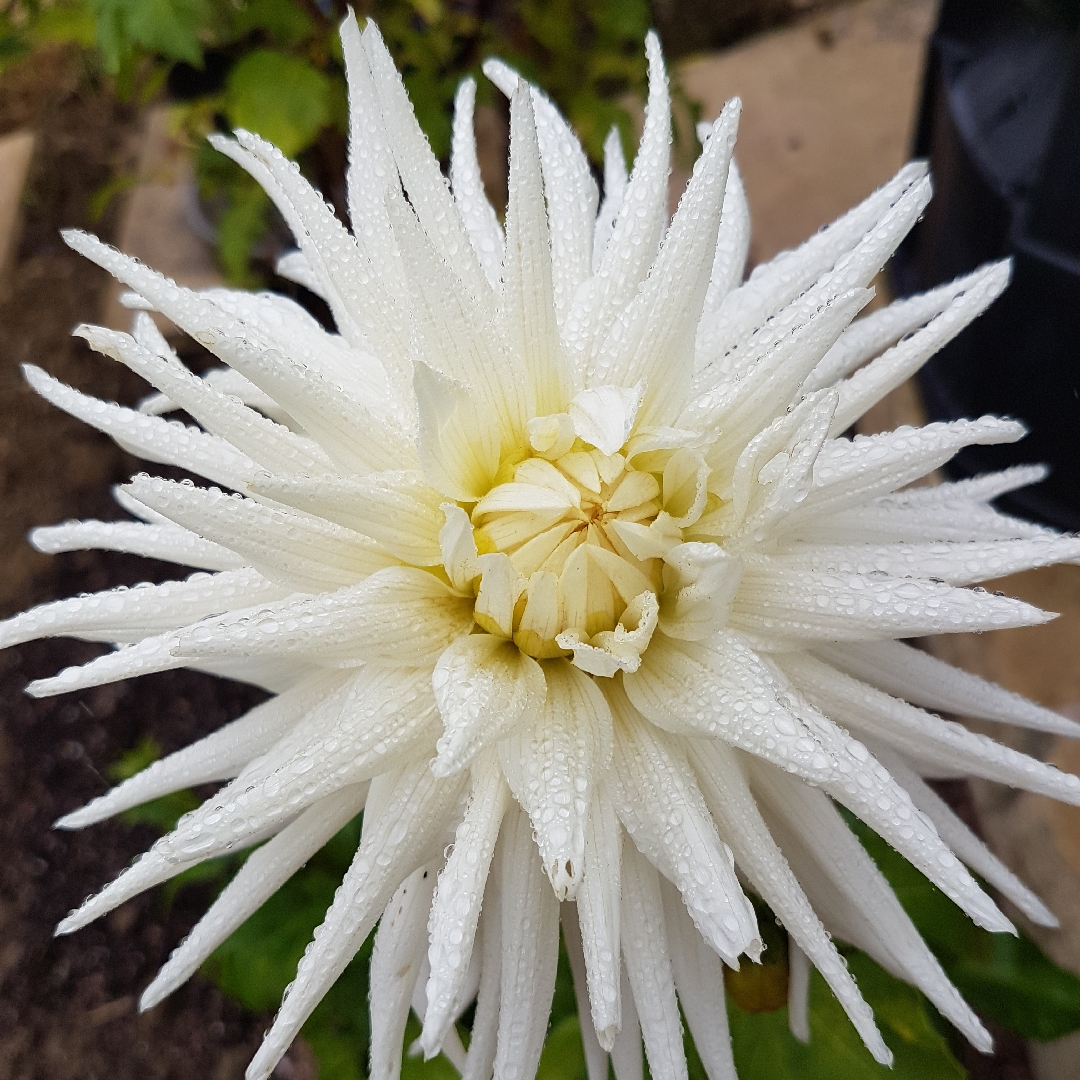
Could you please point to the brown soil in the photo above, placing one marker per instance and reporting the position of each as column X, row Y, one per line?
column 67, row 1006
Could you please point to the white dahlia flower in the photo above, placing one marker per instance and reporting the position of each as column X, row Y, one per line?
column 564, row 571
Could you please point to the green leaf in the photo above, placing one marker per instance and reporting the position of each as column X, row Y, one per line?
column 286, row 23
column 66, row 23
column 243, row 223
column 167, row 27
column 416, row 1068
column 162, row 813
column 563, row 1056
column 1008, row 979
column 281, row 98
column 145, row 752
column 766, row 1050
column 259, row 960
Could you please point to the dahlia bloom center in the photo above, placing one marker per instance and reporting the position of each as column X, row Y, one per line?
column 566, row 552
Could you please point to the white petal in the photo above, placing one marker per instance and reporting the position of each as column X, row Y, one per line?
column 775, row 471
column 777, row 600
column 530, row 951
column 640, row 224
column 660, row 805
column 732, row 240
column 870, row 384
column 271, row 445
column 291, row 548
column 400, row 614
column 460, row 558
column 798, row 993
column 861, row 784
column 627, row 1059
column 485, row 686
column 965, row 843
column 614, row 192
column 598, row 915
column 150, row 437
column 732, row 805
column 866, row 337
column 458, row 453
column 569, row 186
column 354, row 435
column 395, row 968
column 412, row 808
column 727, row 692
column 293, row 266
column 648, row 964
column 456, row 909
column 528, row 301
column 776, row 283
column 169, row 542
column 654, row 341
column 364, row 308
column 850, row 473
column 603, row 416
column 596, row 1061
column 232, row 384
column 130, row 614
column 922, row 679
column 397, row 509
column 921, row 735
column 357, row 732
column 767, row 376
column 372, row 175
column 482, row 1045
column 847, row 889
column 477, row 213
column 256, row 881
column 149, row 655
column 953, row 563
column 219, row 756
column 701, row 583
column 420, row 173
column 699, row 980
column 550, row 765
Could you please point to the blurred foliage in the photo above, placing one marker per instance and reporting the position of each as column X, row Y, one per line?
column 1008, row 979
column 765, row 1049
column 275, row 68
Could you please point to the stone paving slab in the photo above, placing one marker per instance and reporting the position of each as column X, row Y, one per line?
column 16, row 151
column 828, row 111
column 159, row 220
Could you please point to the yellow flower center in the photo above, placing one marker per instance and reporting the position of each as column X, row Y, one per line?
column 574, row 541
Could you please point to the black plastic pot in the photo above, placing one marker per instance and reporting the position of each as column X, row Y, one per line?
column 1000, row 124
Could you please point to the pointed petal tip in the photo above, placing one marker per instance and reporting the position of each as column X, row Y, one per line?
column 446, row 764
column 429, row 1042
column 76, row 239
column 70, row 923
column 40, row 688
column 72, row 821
column 153, row 995
column 981, row 1039
column 606, row 1037
column 879, row 1051
column 218, row 140
column 1041, row 915
column 501, row 75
